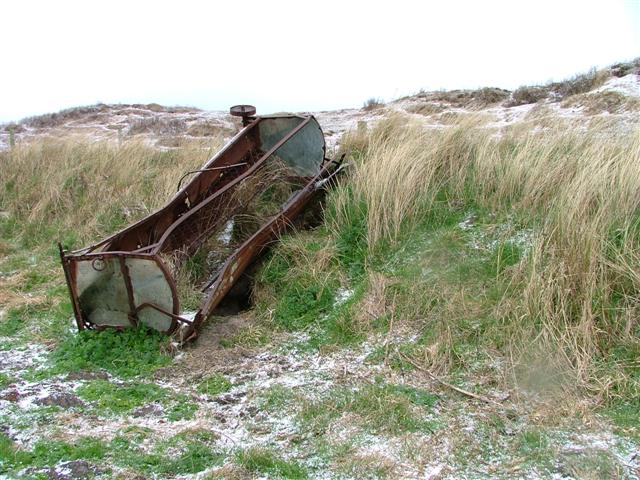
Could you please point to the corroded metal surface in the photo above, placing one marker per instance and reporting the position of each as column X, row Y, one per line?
column 124, row 280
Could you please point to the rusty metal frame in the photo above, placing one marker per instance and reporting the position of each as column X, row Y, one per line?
column 177, row 226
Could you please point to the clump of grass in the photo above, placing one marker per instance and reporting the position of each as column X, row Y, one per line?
column 251, row 335
column 215, row 385
column 528, row 94
column 158, row 126
column 48, row 453
column 379, row 407
column 266, row 462
column 188, row 452
column 5, row 380
column 397, row 178
column 372, row 104
column 625, row 68
column 206, row 129
column 58, row 118
column 427, row 109
column 557, row 91
column 490, row 96
column 581, row 83
column 480, row 98
column 295, row 279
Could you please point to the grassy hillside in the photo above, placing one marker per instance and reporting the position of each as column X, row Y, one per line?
column 529, row 248
column 458, row 273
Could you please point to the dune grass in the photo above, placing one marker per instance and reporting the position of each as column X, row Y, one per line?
column 552, row 290
column 77, row 191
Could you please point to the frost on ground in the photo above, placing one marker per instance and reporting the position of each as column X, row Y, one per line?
column 627, row 85
column 273, row 389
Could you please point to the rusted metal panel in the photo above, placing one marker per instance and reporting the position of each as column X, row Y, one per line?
column 124, row 280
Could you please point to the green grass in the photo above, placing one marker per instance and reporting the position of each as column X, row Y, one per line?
column 188, row 452
column 48, row 453
column 624, row 413
column 533, row 445
column 5, row 380
column 116, row 398
column 380, row 408
column 276, row 398
column 250, row 336
column 127, row 354
column 181, row 407
column 215, row 385
column 35, row 418
column 301, row 298
column 109, row 398
column 13, row 323
column 593, row 464
column 265, row 462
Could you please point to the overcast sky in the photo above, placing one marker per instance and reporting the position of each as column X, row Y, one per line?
column 295, row 55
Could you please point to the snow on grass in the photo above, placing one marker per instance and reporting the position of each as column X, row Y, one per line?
column 627, row 85
column 22, row 358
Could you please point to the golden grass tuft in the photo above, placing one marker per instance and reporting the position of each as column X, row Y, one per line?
column 72, row 185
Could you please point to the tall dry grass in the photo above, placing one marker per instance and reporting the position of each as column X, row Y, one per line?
column 61, row 187
column 579, row 294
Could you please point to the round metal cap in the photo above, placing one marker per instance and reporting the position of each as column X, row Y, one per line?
column 242, row 110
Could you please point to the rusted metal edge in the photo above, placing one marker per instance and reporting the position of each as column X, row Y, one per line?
column 257, row 165
column 69, row 259
column 74, row 298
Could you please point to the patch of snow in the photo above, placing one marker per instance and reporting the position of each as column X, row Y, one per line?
column 22, row 358
column 627, row 85
column 225, row 235
column 63, row 470
column 342, row 295
column 469, row 222
column 433, row 471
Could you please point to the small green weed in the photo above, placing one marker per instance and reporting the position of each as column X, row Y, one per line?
column 214, row 385
column 5, row 380
column 265, row 462
column 48, row 453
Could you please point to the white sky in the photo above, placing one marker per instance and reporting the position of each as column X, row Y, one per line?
column 295, row 55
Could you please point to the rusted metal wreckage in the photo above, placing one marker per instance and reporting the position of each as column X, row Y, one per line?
column 128, row 279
